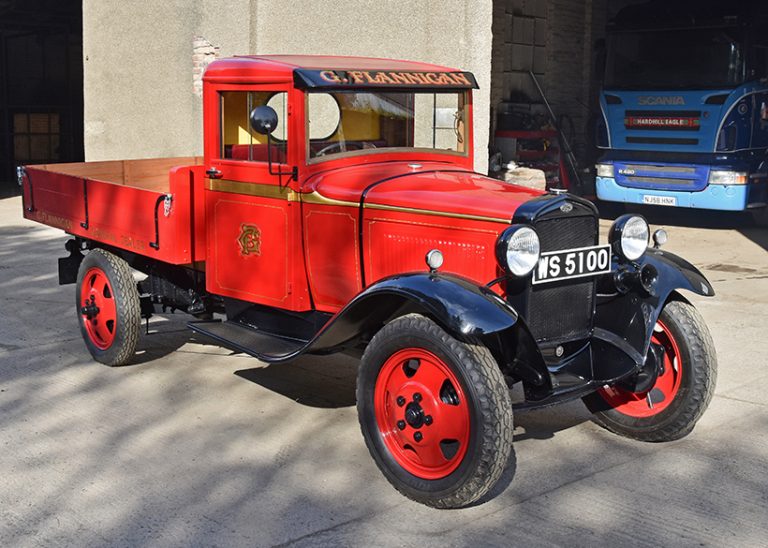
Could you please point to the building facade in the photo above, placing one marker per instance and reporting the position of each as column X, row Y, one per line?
column 139, row 85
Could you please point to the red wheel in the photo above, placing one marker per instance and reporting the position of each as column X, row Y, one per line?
column 663, row 392
column 435, row 412
column 681, row 392
column 98, row 310
column 108, row 308
column 422, row 413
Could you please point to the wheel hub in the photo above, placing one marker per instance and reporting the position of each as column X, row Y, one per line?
column 99, row 310
column 422, row 413
column 414, row 415
column 89, row 308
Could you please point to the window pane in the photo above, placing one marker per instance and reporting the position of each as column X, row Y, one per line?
column 386, row 120
column 238, row 140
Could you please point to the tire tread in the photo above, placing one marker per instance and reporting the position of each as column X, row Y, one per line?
column 127, row 303
column 492, row 398
column 704, row 378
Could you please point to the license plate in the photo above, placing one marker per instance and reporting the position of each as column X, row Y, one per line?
column 572, row 263
column 659, row 200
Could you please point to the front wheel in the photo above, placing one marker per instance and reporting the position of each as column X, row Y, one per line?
column 435, row 413
column 670, row 408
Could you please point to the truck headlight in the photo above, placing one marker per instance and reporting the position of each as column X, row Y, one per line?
column 604, row 170
column 629, row 236
column 727, row 177
column 518, row 250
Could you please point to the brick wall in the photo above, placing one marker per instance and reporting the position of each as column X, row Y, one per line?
column 203, row 54
column 554, row 39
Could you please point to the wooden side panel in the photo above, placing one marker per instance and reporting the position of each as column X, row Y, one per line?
column 150, row 174
column 190, row 181
column 117, row 215
column 332, row 254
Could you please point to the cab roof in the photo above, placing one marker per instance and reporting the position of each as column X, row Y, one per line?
column 280, row 68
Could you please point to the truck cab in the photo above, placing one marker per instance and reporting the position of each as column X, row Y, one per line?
column 339, row 134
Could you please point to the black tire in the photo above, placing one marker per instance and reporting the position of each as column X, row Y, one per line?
column 108, row 308
column 475, row 466
column 697, row 369
column 760, row 216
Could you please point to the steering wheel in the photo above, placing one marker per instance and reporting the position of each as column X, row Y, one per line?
column 337, row 145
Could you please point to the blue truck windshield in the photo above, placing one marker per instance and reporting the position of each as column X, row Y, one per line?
column 674, row 59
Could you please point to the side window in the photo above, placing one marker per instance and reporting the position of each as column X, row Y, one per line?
column 238, row 140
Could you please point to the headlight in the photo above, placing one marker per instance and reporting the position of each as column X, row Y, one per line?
column 720, row 177
column 518, row 250
column 604, row 170
column 629, row 236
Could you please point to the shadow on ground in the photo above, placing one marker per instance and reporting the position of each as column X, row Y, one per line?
column 179, row 451
column 692, row 218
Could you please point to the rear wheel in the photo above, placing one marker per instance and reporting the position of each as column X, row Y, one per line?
column 670, row 408
column 435, row 413
column 108, row 307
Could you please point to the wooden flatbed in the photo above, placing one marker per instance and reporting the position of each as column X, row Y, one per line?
column 154, row 207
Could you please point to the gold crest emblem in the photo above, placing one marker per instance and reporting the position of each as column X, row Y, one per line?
column 249, row 240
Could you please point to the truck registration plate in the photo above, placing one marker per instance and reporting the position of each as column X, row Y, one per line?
column 659, row 200
column 572, row 263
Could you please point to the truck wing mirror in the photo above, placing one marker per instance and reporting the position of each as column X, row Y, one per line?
column 263, row 120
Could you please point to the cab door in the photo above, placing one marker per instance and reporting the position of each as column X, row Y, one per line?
column 252, row 210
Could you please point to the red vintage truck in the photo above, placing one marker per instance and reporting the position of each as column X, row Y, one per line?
column 336, row 209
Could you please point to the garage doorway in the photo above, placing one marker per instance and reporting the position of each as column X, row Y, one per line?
column 41, row 85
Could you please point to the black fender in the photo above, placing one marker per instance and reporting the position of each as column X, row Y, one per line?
column 458, row 305
column 625, row 317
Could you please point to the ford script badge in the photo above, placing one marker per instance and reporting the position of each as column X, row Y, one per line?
column 566, row 208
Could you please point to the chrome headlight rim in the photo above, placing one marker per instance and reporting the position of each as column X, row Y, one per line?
column 623, row 237
column 504, row 247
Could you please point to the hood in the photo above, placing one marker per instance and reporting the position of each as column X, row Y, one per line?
column 432, row 187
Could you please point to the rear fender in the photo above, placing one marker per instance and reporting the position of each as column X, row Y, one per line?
column 462, row 308
column 629, row 318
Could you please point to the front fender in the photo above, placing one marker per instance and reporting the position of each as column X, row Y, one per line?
column 627, row 319
column 458, row 305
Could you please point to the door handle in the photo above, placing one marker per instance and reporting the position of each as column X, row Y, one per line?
column 213, row 173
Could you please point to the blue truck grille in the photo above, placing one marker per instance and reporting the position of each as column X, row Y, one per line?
column 688, row 178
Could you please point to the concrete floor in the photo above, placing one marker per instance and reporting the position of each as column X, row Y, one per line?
column 196, row 446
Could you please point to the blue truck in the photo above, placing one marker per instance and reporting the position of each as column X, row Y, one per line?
column 684, row 107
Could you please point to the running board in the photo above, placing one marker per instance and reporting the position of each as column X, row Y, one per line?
column 249, row 340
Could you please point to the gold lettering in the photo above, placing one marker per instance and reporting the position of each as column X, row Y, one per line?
column 382, row 78
column 399, row 77
column 461, row 79
column 357, row 76
column 431, row 78
column 330, row 76
column 416, row 78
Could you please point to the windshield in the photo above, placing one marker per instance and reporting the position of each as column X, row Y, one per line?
column 674, row 59
column 361, row 122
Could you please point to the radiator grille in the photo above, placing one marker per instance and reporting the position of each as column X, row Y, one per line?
column 562, row 311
